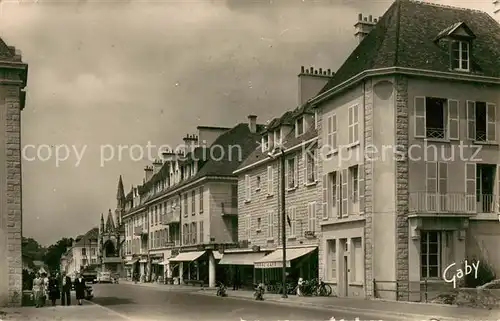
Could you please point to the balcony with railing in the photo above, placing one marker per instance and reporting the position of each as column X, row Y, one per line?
column 452, row 203
column 228, row 209
column 171, row 217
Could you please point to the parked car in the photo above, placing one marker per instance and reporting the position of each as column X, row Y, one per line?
column 104, row 277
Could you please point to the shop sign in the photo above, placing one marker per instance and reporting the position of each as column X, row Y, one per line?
column 271, row 265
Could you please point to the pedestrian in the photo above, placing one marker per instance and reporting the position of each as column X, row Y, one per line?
column 66, row 290
column 38, row 291
column 45, row 287
column 80, row 288
column 53, row 289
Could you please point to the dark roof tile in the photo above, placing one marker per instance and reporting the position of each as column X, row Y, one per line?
column 404, row 37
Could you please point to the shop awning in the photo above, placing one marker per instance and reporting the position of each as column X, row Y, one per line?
column 155, row 261
column 274, row 260
column 217, row 255
column 131, row 262
column 143, row 261
column 164, row 262
column 187, row 256
column 247, row 258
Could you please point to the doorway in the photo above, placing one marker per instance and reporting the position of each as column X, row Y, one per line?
column 345, row 275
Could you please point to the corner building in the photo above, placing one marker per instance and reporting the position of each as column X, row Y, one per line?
column 393, row 223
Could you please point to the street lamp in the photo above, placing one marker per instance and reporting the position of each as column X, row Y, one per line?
column 283, row 215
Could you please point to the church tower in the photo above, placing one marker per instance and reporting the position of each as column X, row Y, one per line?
column 120, row 202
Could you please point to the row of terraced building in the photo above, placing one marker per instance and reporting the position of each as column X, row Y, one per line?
column 391, row 171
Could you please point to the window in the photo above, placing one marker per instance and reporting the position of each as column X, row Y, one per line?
column 315, row 119
column 258, row 183
column 430, row 254
column 84, row 252
column 291, row 170
column 270, row 225
column 299, row 126
column 331, row 274
column 332, row 133
column 437, row 118
column 92, row 251
column 185, row 234
column 201, row 199
column 353, row 124
column 259, row 224
column 460, row 55
column 353, row 183
column 310, row 166
column 437, row 186
column 93, row 261
column 234, row 196
column 333, row 197
column 194, row 232
column 270, row 189
column 185, row 205
column 264, row 144
column 311, row 216
column 193, row 202
column 157, row 215
column 277, row 138
column 248, row 191
column 202, row 233
column 292, row 221
column 357, row 260
column 481, row 121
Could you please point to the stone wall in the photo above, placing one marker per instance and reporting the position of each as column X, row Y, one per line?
column 402, row 194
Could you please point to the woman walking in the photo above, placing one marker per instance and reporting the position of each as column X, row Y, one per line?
column 38, row 290
column 54, row 293
column 80, row 288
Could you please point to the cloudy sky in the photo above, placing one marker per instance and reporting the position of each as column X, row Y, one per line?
column 128, row 72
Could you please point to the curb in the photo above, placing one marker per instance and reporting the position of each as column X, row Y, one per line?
column 365, row 312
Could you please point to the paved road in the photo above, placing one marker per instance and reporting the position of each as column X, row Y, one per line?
column 144, row 304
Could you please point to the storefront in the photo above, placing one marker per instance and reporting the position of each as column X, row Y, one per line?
column 196, row 266
column 301, row 262
column 157, row 268
column 131, row 267
column 239, row 267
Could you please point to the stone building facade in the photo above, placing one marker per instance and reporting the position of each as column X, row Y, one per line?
column 13, row 78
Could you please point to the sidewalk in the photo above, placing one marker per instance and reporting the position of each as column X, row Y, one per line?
column 60, row 313
column 422, row 311
column 167, row 287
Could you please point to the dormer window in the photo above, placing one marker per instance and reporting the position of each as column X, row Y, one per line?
column 460, row 57
column 264, row 144
column 299, row 126
column 277, row 137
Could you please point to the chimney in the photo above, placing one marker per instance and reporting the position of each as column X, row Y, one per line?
column 364, row 26
column 252, row 123
column 157, row 164
column 148, row 173
column 190, row 143
column 311, row 81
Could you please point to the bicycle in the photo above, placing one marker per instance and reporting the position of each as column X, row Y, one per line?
column 323, row 289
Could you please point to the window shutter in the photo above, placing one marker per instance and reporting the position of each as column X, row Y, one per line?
column 294, row 221
column 491, row 122
column 304, row 163
column 420, row 117
column 296, row 171
column 314, row 215
column 287, row 168
column 248, row 189
column 471, row 120
column 325, row 197
column 361, row 188
column 269, row 180
column 334, row 134
column 316, row 161
column 498, row 189
column 470, row 186
column 443, row 185
column 329, row 131
column 453, row 119
column 345, row 192
column 338, row 191
column 309, row 216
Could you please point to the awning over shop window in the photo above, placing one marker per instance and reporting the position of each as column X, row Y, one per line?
column 187, row 256
column 131, row 262
column 217, row 255
column 143, row 261
column 275, row 259
column 164, row 262
column 247, row 258
column 155, row 261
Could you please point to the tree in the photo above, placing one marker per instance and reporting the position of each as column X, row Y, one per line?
column 54, row 253
column 32, row 251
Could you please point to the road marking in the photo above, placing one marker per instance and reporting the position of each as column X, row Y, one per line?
column 123, row 316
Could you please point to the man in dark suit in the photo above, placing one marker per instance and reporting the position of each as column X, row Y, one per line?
column 65, row 290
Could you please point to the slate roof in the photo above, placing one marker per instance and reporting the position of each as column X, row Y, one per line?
column 91, row 235
column 239, row 135
column 290, row 140
column 405, row 34
column 5, row 52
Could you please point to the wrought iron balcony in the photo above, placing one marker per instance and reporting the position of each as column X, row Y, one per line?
column 452, row 203
column 228, row 209
column 438, row 133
